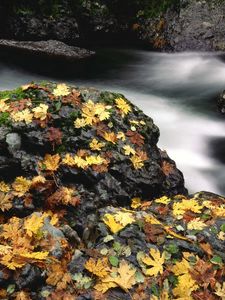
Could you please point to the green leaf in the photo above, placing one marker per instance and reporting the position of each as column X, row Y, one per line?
column 222, row 227
column 139, row 277
column 216, row 260
column 11, row 288
column 172, row 248
column 117, row 246
column 114, row 261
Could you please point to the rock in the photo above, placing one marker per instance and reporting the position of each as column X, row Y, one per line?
column 91, row 208
column 52, row 49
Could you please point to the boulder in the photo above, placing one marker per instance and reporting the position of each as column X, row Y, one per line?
column 91, row 208
column 49, row 49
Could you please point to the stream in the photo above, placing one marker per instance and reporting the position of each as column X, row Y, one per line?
column 177, row 90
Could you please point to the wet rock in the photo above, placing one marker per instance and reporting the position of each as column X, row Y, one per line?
column 52, row 49
column 221, row 103
column 30, row 276
column 14, row 142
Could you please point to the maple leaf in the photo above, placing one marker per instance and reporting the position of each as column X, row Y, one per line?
column 135, row 202
column 138, row 159
column 179, row 208
column 11, row 262
column 20, row 186
column 100, row 267
column 95, row 160
column 135, row 138
column 167, row 168
column 35, row 255
column 5, row 201
column 16, row 106
column 5, row 188
column 101, row 111
column 186, row 285
column 203, row 273
column 220, row 290
column 12, row 229
column 73, row 98
column 20, row 116
column 51, row 162
column 80, row 122
column 22, row 296
column 109, row 220
column 153, row 232
column 33, row 224
column 121, row 136
column 124, row 218
column 155, row 262
column 124, row 279
column 110, row 137
column 40, row 112
column 37, row 180
column 196, row 224
column 123, row 106
column 55, row 135
column 96, row 145
column 3, row 106
column 61, row 90
column 58, row 277
column 128, row 150
column 164, row 200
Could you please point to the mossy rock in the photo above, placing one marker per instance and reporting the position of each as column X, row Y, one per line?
column 89, row 206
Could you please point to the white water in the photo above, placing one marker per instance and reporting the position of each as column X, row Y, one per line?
column 177, row 91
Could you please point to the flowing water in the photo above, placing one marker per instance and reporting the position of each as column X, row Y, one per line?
column 177, row 90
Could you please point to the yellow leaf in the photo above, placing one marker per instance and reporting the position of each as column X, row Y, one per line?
column 105, row 286
column 5, row 201
column 96, row 145
column 80, row 122
column 181, row 267
column 100, row 267
column 20, row 116
column 35, row 255
column 128, row 150
column 51, row 162
column 5, row 188
column 221, row 236
column 121, row 136
column 156, row 262
column 124, row 218
column 22, row 296
column 4, row 249
column 38, row 179
column 163, row 200
column 3, row 106
column 20, row 186
column 33, row 224
column 179, row 208
column 135, row 203
column 196, row 224
column 40, row 112
column 61, row 90
column 220, row 290
column 109, row 220
column 123, row 106
column 110, row 137
column 186, row 285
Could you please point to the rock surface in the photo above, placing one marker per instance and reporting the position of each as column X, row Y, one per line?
column 51, row 49
column 91, row 208
column 221, row 103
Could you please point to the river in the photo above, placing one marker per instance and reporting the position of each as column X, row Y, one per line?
column 177, row 90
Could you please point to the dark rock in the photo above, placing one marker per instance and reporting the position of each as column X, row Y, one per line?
column 221, row 103
column 30, row 276
column 52, row 49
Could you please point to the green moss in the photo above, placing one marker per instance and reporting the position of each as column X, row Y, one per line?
column 4, row 119
column 16, row 94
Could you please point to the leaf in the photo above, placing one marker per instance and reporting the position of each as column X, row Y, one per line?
column 5, row 201
column 123, row 106
column 186, row 285
column 73, row 98
column 99, row 268
column 124, row 218
column 96, row 145
column 135, row 202
column 22, row 296
column 114, row 226
column 58, row 276
column 135, row 138
column 167, row 168
column 20, row 186
column 61, row 90
column 203, row 273
column 163, row 200
column 128, row 150
column 196, row 224
column 4, row 188
column 33, row 224
column 179, row 208
column 138, row 159
column 114, row 260
column 20, row 116
column 220, row 290
column 51, row 162
column 40, row 112
column 217, row 260
column 110, row 137
column 155, row 262
column 54, row 135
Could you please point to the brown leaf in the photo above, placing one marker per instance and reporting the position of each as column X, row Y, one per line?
column 203, row 273
column 135, row 137
column 203, row 295
column 54, row 135
column 167, row 168
column 73, row 98
column 153, row 232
